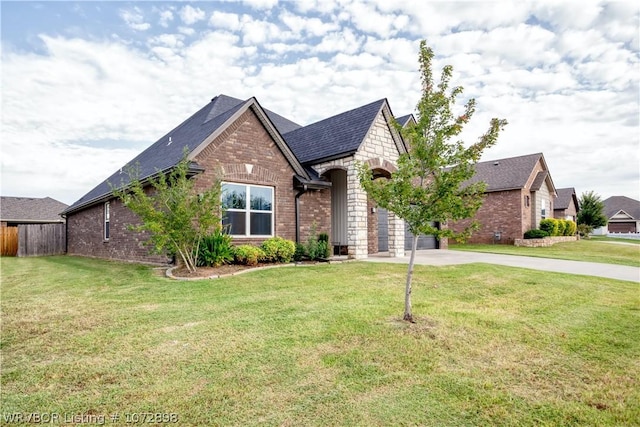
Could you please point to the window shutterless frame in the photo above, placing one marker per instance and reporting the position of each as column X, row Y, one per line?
column 107, row 220
column 249, row 209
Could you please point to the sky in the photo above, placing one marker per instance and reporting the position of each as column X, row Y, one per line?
column 86, row 86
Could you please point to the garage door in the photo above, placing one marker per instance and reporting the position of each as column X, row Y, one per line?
column 424, row 242
column 622, row 227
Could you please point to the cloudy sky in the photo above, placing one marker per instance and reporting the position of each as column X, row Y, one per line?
column 88, row 85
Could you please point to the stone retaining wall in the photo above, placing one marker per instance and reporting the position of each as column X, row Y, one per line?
column 545, row 242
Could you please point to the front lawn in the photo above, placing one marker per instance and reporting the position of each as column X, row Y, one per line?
column 319, row 345
column 581, row 250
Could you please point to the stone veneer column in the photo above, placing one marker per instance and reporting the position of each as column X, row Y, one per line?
column 396, row 236
column 357, row 216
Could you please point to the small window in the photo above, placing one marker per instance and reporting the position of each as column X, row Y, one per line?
column 107, row 214
column 527, row 201
column 543, row 211
column 249, row 209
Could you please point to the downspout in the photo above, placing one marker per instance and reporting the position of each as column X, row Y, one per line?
column 66, row 234
column 297, row 208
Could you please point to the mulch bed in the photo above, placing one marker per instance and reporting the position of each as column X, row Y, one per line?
column 223, row 270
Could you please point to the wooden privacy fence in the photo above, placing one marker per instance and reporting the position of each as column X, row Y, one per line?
column 8, row 241
column 41, row 239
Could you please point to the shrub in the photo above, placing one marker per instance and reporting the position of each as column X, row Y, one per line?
column 562, row 227
column 550, row 225
column 248, row 254
column 584, row 230
column 571, row 228
column 299, row 253
column 215, row 250
column 277, row 249
column 535, row 234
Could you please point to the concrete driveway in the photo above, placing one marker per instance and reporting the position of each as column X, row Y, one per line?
column 449, row 257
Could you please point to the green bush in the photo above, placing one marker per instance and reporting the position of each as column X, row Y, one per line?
column 277, row 249
column 535, row 234
column 571, row 228
column 248, row 254
column 299, row 253
column 584, row 230
column 562, row 227
column 215, row 250
column 550, row 225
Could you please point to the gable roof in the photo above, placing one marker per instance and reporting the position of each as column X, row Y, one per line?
column 31, row 209
column 511, row 173
column 615, row 204
column 334, row 137
column 565, row 195
column 192, row 135
column 404, row 120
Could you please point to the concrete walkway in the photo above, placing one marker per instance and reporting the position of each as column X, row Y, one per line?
column 450, row 257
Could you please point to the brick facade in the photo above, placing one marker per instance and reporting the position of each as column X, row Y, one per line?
column 243, row 153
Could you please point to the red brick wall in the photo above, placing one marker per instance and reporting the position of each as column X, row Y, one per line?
column 244, row 142
column 85, row 235
column 501, row 211
column 372, row 227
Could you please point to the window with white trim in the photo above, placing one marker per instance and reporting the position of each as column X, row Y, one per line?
column 107, row 215
column 249, row 209
column 543, row 211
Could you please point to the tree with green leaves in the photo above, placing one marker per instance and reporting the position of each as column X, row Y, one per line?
column 591, row 211
column 431, row 182
column 174, row 214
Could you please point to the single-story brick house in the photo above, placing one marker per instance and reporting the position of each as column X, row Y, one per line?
column 566, row 205
column 623, row 214
column 30, row 210
column 305, row 175
column 519, row 193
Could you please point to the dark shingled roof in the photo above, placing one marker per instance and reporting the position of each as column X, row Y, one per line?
column 564, row 198
column 169, row 150
column 334, row 137
column 30, row 209
column 404, row 119
column 615, row 204
column 508, row 174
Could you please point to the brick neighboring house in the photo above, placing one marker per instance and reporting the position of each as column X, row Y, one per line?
column 302, row 176
column 30, row 210
column 519, row 194
column 566, row 204
column 623, row 214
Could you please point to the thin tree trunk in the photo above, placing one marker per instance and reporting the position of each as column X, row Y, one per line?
column 408, row 315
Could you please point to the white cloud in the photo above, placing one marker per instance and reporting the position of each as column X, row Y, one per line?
column 311, row 26
column 134, row 19
column 190, row 15
column 224, row 20
column 166, row 16
column 261, row 4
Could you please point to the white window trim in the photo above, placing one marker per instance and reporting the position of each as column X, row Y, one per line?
column 249, row 211
column 106, row 221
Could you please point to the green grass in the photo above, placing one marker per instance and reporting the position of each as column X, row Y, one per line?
column 582, row 250
column 614, row 239
column 320, row 345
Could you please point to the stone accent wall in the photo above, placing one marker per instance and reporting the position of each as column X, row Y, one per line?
column 380, row 150
column 85, row 235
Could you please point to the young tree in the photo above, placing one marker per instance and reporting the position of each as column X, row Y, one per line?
column 174, row 214
column 591, row 211
column 431, row 182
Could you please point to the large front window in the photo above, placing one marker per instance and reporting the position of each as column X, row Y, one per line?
column 249, row 209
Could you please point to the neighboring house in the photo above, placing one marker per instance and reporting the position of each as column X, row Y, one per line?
column 566, row 204
column 30, row 210
column 519, row 193
column 304, row 177
column 623, row 214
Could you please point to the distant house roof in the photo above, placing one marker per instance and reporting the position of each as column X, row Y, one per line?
column 192, row 135
column 511, row 173
column 565, row 195
column 615, row 204
column 335, row 137
column 31, row 209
